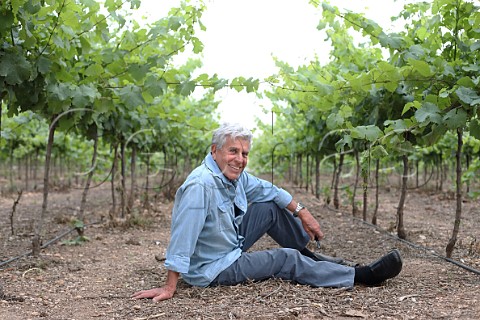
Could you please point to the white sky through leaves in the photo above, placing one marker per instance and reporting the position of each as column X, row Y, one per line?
column 243, row 35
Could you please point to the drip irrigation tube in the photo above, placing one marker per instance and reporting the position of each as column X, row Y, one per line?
column 4, row 263
column 417, row 246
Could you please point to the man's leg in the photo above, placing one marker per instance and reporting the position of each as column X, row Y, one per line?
column 267, row 217
column 286, row 264
column 287, row 231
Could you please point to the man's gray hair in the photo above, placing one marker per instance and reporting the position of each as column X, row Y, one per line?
column 232, row 130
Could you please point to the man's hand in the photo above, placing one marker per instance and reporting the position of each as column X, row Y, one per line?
column 157, row 294
column 163, row 293
column 310, row 224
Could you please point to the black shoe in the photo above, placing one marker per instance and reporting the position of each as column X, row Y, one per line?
column 386, row 267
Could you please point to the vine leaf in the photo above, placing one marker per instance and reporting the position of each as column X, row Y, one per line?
column 475, row 128
column 44, row 64
column 197, row 122
column 138, row 71
column 391, row 40
column 185, row 88
column 6, row 21
column 131, row 96
column 429, row 112
column 84, row 95
column 370, row 133
column 334, row 120
column 378, row 152
column 455, row 118
column 14, row 67
column 468, row 96
column 421, row 66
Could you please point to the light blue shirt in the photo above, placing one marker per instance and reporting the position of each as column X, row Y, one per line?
column 204, row 239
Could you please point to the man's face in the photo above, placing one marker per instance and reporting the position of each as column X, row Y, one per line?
column 232, row 158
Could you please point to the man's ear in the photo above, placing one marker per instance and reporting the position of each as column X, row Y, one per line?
column 213, row 150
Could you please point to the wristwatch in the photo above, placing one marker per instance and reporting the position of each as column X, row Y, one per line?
column 297, row 209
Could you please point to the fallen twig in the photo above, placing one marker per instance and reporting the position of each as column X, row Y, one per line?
column 271, row 293
column 31, row 269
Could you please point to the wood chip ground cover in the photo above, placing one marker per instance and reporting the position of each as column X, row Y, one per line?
column 95, row 280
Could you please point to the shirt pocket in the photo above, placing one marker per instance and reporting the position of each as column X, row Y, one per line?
column 225, row 217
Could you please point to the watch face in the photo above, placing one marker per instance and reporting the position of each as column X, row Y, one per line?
column 299, row 207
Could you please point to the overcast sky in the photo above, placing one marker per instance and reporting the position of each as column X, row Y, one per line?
column 242, row 36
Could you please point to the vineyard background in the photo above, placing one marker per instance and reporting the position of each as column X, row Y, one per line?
column 100, row 123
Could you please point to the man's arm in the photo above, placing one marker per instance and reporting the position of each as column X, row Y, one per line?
column 310, row 224
column 162, row 293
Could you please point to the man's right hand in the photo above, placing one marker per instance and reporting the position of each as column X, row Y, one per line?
column 159, row 294
column 156, row 294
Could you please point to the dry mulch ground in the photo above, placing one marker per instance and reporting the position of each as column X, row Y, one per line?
column 95, row 280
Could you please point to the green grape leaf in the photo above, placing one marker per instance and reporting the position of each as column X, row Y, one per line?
column 94, row 70
column 197, row 122
column 21, row 119
column 44, row 64
column 131, row 96
column 393, row 40
column 174, row 23
column 251, row 84
column 414, row 104
column 104, row 105
column 475, row 46
column 421, row 66
column 396, row 125
column 324, row 89
column 59, row 91
column 14, row 67
column 455, row 118
column 378, row 152
column 474, row 128
column 138, row 71
column 6, row 21
column 468, row 96
column 219, row 84
column 345, row 141
column 334, row 121
column 370, row 133
column 185, row 88
column 472, row 68
column 154, row 87
column 237, row 83
column 83, row 96
column 197, row 45
column 428, row 113
column 435, row 135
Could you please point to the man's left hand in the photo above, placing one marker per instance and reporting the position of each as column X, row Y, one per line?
column 310, row 224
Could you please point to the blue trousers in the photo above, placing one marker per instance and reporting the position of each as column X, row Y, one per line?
column 285, row 263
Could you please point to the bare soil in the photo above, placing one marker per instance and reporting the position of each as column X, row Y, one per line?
column 95, row 280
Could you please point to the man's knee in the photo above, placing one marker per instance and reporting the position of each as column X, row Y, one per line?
column 265, row 208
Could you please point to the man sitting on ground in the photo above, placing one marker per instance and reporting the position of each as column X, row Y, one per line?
column 220, row 211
